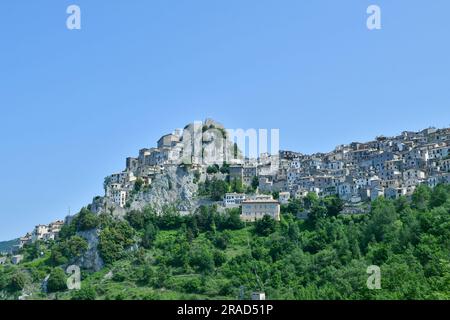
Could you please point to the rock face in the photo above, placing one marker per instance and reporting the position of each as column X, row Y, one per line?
column 175, row 186
column 91, row 258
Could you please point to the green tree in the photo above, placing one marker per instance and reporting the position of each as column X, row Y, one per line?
column 233, row 220
column 237, row 185
column 87, row 220
column 17, row 281
column 294, row 206
column 439, row 196
column 67, row 250
column 33, row 250
column 212, row 169
column 114, row 240
column 57, row 280
column 382, row 226
column 311, row 200
column 334, row 205
column 221, row 240
column 255, row 182
column 169, row 219
column 421, row 197
column 219, row 258
column 147, row 275
column 202, row 259
column 317, row 212
column 218, row 189
column 265, row 226
column 225, row 169
column 136, row 219
column 86, row 292
column 149, row 236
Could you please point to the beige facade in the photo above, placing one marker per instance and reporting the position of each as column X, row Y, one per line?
column 257, row 208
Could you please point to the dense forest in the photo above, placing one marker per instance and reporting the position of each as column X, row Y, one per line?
column 212, row 255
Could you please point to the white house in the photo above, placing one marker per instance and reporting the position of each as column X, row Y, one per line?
column 233, row 199
column 413, row 174
column 119, row 197
column 439, row 153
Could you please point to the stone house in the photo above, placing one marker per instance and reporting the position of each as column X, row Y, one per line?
column 249, row 172
column 233, row 199
column 260, row 206
column 16, row 259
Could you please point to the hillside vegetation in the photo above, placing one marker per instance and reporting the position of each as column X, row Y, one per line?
column 6, row 246
column 213, row 255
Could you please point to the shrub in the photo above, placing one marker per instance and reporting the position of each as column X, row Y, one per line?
column 219, row 258
column 17, row 281
column 218, row 189
column 57, row 280
column 149, row 236
column 114, row 240
column 87, row 220
column 85, row 293
column 212, row 169
column 265, row 226
column 201, row 259
column 67, row 250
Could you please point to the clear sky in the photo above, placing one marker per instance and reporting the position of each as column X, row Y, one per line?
column 74, row 104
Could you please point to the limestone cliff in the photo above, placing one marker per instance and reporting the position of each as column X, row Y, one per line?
column 175, row 187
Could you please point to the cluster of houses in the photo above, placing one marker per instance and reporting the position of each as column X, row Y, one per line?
column 389, row 167
column 150, row 162
column 357, row 172
column 41, row 232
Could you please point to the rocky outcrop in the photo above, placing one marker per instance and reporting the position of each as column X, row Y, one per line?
column 175, row 187
column 91, row 258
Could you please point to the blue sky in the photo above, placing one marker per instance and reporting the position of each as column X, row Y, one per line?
column 74, row 104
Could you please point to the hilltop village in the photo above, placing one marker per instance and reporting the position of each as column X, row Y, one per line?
column 357, row 172
column 196, row 217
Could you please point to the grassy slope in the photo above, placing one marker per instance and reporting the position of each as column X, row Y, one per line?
column 111, row 289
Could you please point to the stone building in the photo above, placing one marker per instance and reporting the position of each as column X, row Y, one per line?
column 260, row 206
